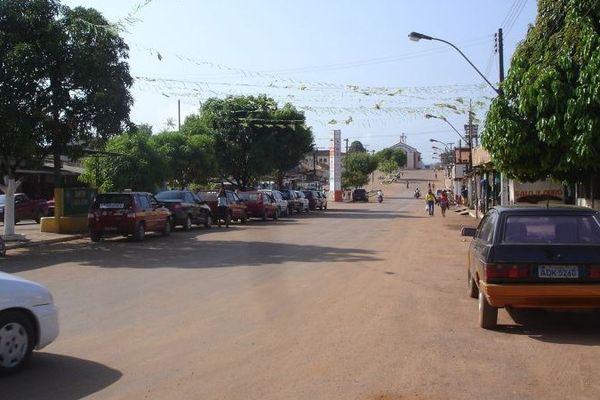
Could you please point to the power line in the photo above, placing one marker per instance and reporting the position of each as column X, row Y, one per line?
column 516, row 17
column 509, row 13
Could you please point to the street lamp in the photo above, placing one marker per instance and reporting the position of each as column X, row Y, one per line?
column 429, row 116
column 415, row 37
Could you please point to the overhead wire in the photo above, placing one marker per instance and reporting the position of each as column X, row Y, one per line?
column 511, row 24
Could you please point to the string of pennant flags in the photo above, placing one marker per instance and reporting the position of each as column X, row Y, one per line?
column 328, row 103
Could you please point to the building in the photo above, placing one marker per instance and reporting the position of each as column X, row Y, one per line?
column 413, row 157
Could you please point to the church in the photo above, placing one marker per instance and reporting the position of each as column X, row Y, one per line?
column 413, row 157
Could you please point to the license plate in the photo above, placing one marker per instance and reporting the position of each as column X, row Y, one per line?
column 558, row 271
column 110, row 228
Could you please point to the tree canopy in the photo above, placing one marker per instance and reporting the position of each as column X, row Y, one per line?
column 356, row 147
column 390, row 160
column 547, row 122
column 357, row 167
column 253, row 137
column 72, row 73
column 130, row 162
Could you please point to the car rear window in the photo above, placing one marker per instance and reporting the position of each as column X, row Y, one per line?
column 551, row 229
column 170, row 195
column 207, row 196
column 113, row 201
column 249, row 196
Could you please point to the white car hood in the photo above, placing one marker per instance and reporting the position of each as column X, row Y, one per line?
column 18, row 292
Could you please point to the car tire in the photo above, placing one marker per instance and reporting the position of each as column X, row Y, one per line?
column 264, row 215
column 276, row 215
column 488, row 315
column 38, row 216
column 472, row 289
column 325, row 207
column 244, row 218
column 139, row 233
column 167, row 229
column 17, row 339
column 208, row 221
column 95, row 236
column 187, row 224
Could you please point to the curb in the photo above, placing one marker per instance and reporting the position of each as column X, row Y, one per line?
column 19, row 245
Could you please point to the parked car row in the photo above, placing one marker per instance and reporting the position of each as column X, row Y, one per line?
column 26, row 208
column 135, row 213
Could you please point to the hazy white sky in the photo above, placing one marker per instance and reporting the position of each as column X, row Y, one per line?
column 309, row 52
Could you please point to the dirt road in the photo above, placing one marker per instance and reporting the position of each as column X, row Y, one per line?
column 363, row 301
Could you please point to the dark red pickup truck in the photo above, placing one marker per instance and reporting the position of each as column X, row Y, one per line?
column 25, row 208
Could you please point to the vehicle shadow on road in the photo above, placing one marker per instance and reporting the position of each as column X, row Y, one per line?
column 57, row 377
column 183, row 252
column 581, row 328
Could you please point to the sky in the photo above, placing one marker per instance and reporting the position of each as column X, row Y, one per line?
column 348, row 65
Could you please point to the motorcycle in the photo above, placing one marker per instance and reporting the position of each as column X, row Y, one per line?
column 417, row 195
column 380, row 198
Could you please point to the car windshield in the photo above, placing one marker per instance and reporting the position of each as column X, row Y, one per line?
column 170, row 195
column 113, row 200
column 552, row 229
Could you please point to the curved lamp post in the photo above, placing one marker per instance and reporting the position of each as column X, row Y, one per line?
column 415, row 37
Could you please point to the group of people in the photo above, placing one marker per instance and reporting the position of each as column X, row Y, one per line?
column 431, row 200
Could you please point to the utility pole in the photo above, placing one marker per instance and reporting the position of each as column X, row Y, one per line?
column 470, row 138
column 346, row 140
column 178, row 115
column 504, row 186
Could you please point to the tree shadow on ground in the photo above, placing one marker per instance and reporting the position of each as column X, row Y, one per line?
column 181, row 251
column 57, row 377
column 580, row 327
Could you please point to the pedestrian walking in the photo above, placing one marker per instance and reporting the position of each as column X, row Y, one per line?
column 407, row 183
column 429, row 185
column 444, row 202
column 222, row 203
column 430, row 201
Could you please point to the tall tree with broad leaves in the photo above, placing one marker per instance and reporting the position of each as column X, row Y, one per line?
column 547, row 122
column 242, row 132
column 22, row 99
column 390, row 159
column 291, row 139
column 357, row 167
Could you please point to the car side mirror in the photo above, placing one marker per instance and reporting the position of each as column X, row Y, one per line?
column 468, row 232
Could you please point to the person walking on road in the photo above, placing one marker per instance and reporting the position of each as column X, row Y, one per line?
column 444, row 202
column 222, row 208
column 430, row 200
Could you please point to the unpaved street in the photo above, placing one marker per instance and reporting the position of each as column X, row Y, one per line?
column 363, row 301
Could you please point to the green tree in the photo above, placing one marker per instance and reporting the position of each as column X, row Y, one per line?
column 130, row 162
column 547, row 122
column 357, row 168
column 190, row 157
column 81, row 78
column 390, row 160
column 21, row 102
column 356, row 147
column 291, row 139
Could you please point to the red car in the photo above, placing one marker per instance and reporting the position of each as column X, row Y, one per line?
column 260, row 205
column 127, row 213
column 25, row 208
column 237, row 208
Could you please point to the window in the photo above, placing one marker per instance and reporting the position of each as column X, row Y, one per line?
column 152, row 201
column 143, row 201
column 552, row 229
column 189, row 198
column 486, row 230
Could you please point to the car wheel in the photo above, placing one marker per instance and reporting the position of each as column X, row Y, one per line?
column 208, row 221
column 38, row 216
column 472, row 289
column 167, row 229
column 2, row 248
column 264, row 215
column 17, row 339
column 187, row 224
column 276, row 215
column 244, row 218
column 95, row 236
column 139, row 233
column 488, row 315
column 325, row 207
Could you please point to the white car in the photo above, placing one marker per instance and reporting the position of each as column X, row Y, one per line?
column 302, row 198
column 282, row 204
column 28, row 320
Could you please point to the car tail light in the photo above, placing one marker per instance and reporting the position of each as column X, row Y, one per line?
column 506, row 271
column 595, row 271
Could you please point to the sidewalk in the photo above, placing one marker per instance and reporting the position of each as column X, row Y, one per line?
column 33, row 237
